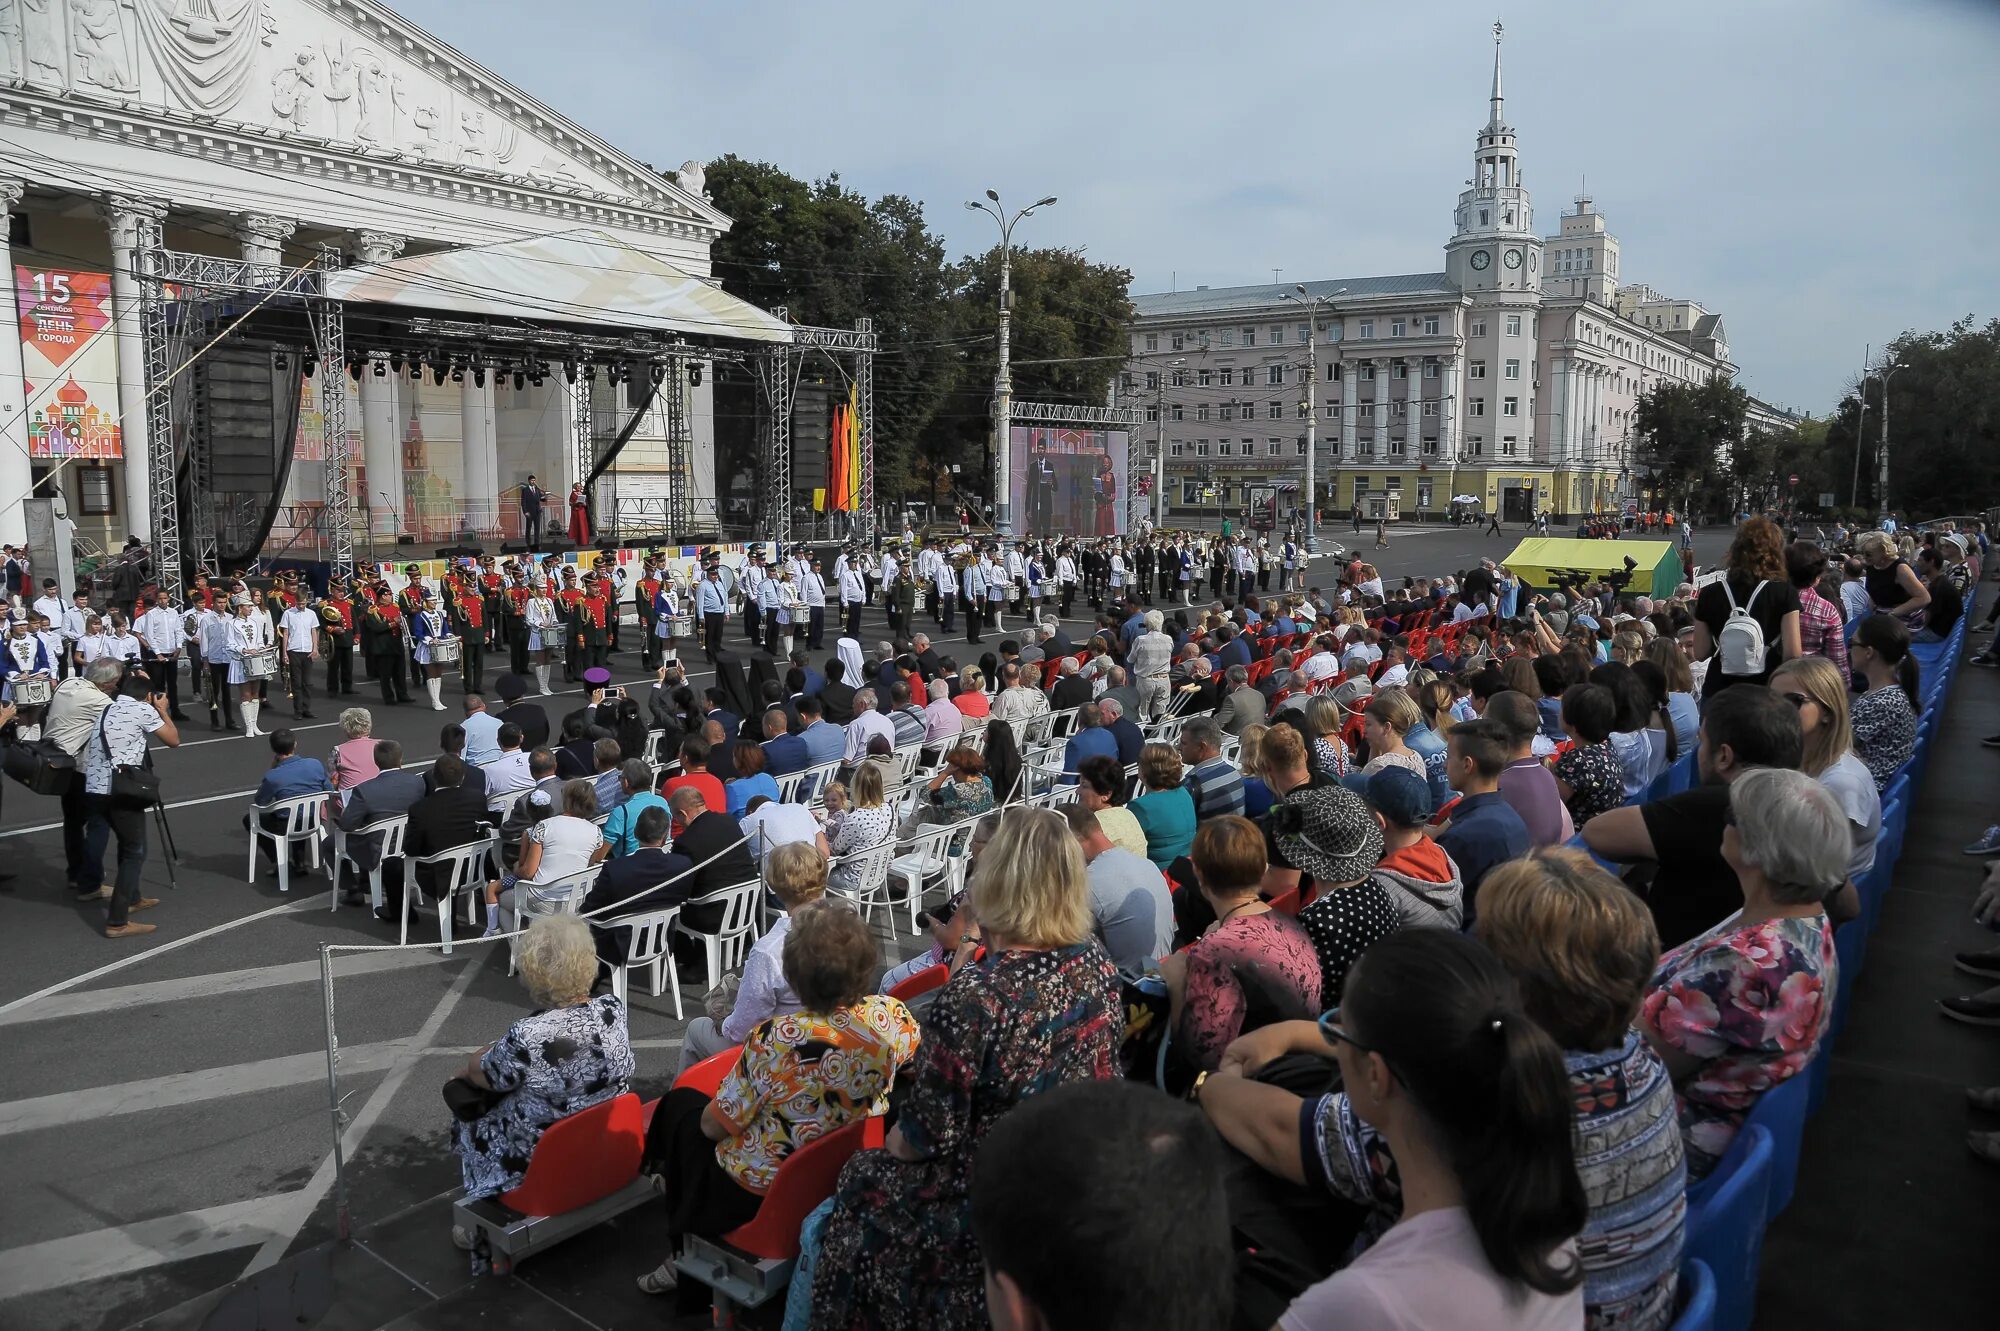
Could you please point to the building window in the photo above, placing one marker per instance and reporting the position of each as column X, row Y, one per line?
column 1368, row 371
column 1365, row 412
column 1180, row 378
column 1332, row 410
column 1430, row 407
column 1201, row 378
column 1400, row 370
column 1485, row 216
column 1367, row 329
column 1201, row 411
column 1177, row 412
column 1513, row 325
column 1226, row 449
column 1478, row 328
column 1274, row 375
column 1274, row 411
column 1152, row 411
column 1277, row 334
column 1396, row 447
column 1305, row 334
column 1510, row 406
column 1228, row 337
column 1396, row 327
column 1399, row 407
column 1180, row 341
column 94, row 492
column 1229, row 411
column 1475, row 406
column 1152, row 341
column 1201, row 448
column 1475, row 369
column 1365, row 446
column 1274, row 446
column 1225, row 376
column 1332, row 372
column 1507, row 446
column 1430, row 446
column 1128, row 381
column 1174, row 450
column 1476, row 445
column 1190, row 494
column 1430, row 325
column 1249, row 337
column 1513, row 369
column 1431, row 370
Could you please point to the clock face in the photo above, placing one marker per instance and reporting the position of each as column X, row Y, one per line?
column 1513, row 258
column 1481, row 258
column 1534, row 259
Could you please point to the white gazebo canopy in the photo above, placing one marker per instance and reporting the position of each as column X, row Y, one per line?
column 580, row 277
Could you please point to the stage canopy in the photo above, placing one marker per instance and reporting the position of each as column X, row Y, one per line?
column 1657, row 568
column 580, row 277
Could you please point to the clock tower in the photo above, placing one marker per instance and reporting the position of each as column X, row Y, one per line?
column 1494, row 247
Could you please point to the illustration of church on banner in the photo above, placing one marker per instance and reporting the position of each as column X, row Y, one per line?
column 73, row 426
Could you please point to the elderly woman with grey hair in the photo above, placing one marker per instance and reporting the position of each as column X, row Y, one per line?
column 354, row 757
column 572, row 1052
column 1741, row 1008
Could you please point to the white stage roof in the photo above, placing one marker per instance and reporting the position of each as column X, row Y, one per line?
column 580, row 277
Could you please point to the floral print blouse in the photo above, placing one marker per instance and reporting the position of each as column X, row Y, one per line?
column 1596, row 780
column 549, row 1065
column 1751, row 1002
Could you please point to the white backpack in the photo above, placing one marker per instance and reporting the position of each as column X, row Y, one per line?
column 1739, row 648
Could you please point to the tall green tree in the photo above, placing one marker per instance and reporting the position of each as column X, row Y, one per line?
column 1942, row 420
column 1682, row 431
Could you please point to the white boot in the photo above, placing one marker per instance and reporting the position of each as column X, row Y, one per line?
column 433, row 687
column 250, row 710
column 542, row 678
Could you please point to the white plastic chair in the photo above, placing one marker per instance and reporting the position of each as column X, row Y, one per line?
column 391, row 830
column 906, row 760
column 1063, row 724
column 940, row 851
column 871, row 888
column 789, row 785
column 558, row 896
column 304, row 820
column 816, row 779
column 1035, row 730
column 503, row 806
column 969, row 738
column 726, row 947
column 649, row 945
column 460, row 871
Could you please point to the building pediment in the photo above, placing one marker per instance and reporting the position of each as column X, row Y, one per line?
column 339, row 79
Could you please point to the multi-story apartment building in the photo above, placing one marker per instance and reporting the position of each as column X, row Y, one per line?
column 1509, row 377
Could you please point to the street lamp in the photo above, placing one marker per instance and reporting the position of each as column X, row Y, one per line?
column 1003, row 379
column 1313, row 305
column 1882, row 453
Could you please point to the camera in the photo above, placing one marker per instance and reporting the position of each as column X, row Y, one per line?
column 135, row 682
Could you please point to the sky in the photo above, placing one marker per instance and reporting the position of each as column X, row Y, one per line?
column 1819, row 172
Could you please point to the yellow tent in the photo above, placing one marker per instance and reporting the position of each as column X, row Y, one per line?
column 1656, row 571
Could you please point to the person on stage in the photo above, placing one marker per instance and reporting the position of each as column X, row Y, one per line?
column 249, row 633
column 542, row 626
column 1105, row 489
column 430, row 626
column 533, row 496
column 579, row 514
column 712, row 608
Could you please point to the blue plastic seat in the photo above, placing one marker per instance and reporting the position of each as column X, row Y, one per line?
column 1725, row 1227
column 1697, row 1298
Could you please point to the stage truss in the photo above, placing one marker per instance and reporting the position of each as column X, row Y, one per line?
column 176, row 287
column 1127, row 419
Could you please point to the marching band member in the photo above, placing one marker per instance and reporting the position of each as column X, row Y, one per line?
column 812, row 595
column 944, row 590
column 711, row 605
column 661, row 615
column 514, row 597
column 119, row 644
column 468, row 619
column 853, row 593
column 26, row 655
column 1016, row 569
column 89, row 644
column 972, row 595
column 336, row 621
column 162, row 635
column 770, row 601
column 492, row 589
column 612, row 580
column 644, row 597
column 754, row 578
column 212, row 639
column 1037, row 585
column 589, row 623
column 998, row 589
column 567, row 600
column 887, row 573
column 248, row 633
column 430, row 626
column 382, row 643
column 1066, row 576
column 74, row 623
column 544, row 625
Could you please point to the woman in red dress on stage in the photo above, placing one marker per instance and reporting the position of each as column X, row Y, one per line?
column 579, row 514
column 1107, row 497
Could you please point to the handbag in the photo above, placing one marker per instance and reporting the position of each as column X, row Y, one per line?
column 131, row 787
column 41, row 765
column 469, row 1103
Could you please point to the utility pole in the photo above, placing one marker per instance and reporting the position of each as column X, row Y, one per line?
column 1313, row 305
column 1860, row 432
column 1882, row 453
column 1003, row 379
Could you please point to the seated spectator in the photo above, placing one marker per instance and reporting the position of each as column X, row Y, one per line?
column 608, row 784
column 971, row 697
column 715, row 845
column 769, row 825
column 1947, row 603
column 1122, row 729
column 1821, row 626
column 1165, row 810
column 694, row 775
column 1410, row 883
column 452, row 814
column 825, row 740
column 1525, row 783
column 571, row 1053
column 1390, row 715
column 1065, row 1208
column 1129, row 905
column 1215, row 782
column 451, row 742
column 635, row 776
column 796, row 874
column 1020, row 697
column 1254, row 967
column 824, row 1066
column 1818, row 691
column 960, row 790
column 1641, row 734
column 1241, row 705
column 650, row 878
column 1695, row 888
column 942, row 718
column 510, row 773
column 1090, row 740
column 289, row 775
column 868, row 725
column 1324, row 719
column 1101, row 786
column 1589, row 777
column 526, row 811
column 784, row 752
column 1257, row 797
column 868, row 823
column 1885, row 715
column 910, row 723
column 1484, row 830
column 554, row 848
column 751, row 780
column 1742, row 1007
column 1041, row 1011
column 354, row 757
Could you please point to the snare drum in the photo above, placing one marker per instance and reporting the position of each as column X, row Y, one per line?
column 443, row 651
column 261, row 663
column 33, row 690
column 680, row 626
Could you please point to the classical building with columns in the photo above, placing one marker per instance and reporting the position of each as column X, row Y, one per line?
column 1510, row 377
column 271, row 130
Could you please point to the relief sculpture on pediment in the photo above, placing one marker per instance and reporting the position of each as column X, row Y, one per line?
column 103, row 40
column 48, row 59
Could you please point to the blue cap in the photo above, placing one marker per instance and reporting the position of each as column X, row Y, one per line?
column 1400, row 796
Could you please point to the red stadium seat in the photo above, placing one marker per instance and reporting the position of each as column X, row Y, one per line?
column 582, row 1159
column 805, row 1179
column 915, row 986
column 706, row 1076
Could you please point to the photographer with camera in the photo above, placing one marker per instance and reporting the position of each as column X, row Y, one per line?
column 114, row 796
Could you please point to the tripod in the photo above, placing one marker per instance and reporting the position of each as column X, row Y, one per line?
column 167, row 840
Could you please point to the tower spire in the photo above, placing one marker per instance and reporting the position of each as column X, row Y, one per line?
column 1495, row 120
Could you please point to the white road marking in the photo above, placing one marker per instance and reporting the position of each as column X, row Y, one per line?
column 125, row 998
column 141, row 1245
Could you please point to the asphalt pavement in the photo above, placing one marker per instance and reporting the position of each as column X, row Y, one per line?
column 164, row 1102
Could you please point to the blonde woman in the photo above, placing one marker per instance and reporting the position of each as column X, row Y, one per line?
column 1389, row 716
column 545, row 633
column 1815, row 687
column 1040, row 1009
column 867, row 824
column 1628, row 646
column 1257, row 797
column 1324, row 718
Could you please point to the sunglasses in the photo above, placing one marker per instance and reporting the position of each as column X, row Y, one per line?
column 1336, row 1034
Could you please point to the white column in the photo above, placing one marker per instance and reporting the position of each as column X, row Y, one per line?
column 381, row 442
column 1449, row 390
column 1558, row 440
column 482, row 457
column 263, row 240
column 134, row 223
column 1350, row 407
column 16, row 472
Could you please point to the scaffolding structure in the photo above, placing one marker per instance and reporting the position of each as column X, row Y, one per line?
column 852, row 353
column 1110, row 418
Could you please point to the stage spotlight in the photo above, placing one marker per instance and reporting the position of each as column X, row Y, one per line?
column 479, row 376
column 381, row 368
column 658, row 373
column 694, row 374
column 437, row 374
column 396, row 362
column 520, row 381
column 569, row 369
column 590, row 372
column 309, row 366
column 457, row 373
column 354, row 368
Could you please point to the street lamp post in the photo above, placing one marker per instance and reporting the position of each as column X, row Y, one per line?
column 1312, row 304
column 1003, row 379
column 1882, row 453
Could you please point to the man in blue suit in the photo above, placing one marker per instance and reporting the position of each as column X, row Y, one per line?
column 1090, row 740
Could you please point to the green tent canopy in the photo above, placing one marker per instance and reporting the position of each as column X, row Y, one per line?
column 1656, row 571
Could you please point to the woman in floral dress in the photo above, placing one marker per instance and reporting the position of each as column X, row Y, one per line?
column 1743, row 1007
column 1040, row 1009
column 1589, row 777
